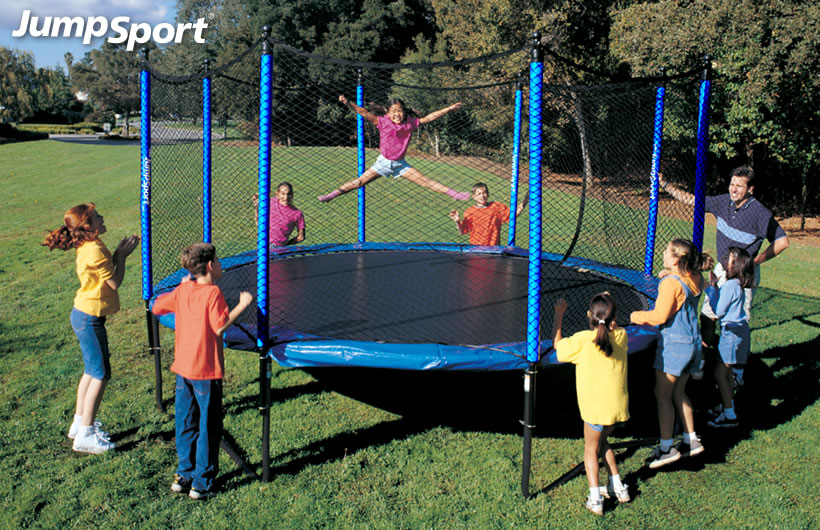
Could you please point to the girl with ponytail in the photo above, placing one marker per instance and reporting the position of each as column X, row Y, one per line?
column 100, row 274
column 600, row 383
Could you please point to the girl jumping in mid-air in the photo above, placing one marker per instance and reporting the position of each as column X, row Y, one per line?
column 728, row 303
column 679, row 348
column 600, row 383
column 395, row 130
column 100, row 276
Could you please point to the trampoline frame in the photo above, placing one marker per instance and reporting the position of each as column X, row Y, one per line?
column 533, row 345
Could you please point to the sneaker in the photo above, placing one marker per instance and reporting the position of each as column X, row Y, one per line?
column 181, row 484
column 72, row 431
column 715, row 411
column 92, row 443
column 200, row 495
column 693, row 448
column 660, row 458
column 722, row 421
column 609, row 491
column 596, row 506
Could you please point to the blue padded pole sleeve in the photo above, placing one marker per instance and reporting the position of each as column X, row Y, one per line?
column 206, row 159
column 652, row 222
column 699, row 216
column 534, row 269
column 145, row 181
column 515, row 165
column 262, row 239
column 360, row 153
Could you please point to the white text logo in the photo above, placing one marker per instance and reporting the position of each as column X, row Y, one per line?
column 134, row 33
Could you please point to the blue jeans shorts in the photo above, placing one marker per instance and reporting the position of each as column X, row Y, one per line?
column 676, row 357
column 734, row 343
column 93, row 339
column 390, row 168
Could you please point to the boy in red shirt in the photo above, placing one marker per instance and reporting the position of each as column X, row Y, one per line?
column 483, row 221
column 201, row 317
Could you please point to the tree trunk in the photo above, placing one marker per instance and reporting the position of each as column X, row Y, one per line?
column 125, row 125
column 582, row 133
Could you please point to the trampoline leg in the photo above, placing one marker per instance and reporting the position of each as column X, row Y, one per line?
column 153, row 347
column 264, row 410
column 226, row 446
column 529, row 409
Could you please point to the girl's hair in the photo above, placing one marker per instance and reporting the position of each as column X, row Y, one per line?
column 601, row 314
column 688, row 258
column 743, row 267
column 290, row 189
column 75, row 231
column 381, row 110
column 196, row 257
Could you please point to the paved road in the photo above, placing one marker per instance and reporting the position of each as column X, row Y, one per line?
column 88, row 139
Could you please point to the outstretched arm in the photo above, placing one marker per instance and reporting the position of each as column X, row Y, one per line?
column 455, row 217
column 366, row 114
column 439, row 113
column 245, row 299
column 676, row 193
column 558, row 320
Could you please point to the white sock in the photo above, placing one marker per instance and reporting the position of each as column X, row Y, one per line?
column 594, row 494
column 666, row 445
column 730, row 413
column 85, row 431
column 615, row 480
column 77, row 419
column 689, row 436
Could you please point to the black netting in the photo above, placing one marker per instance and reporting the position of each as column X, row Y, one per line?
column 597, row 153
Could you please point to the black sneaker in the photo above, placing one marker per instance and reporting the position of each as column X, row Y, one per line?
column 181, row 484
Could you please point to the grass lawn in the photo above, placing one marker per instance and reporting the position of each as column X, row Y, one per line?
column 363, row 448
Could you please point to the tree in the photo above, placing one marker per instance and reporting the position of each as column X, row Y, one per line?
column 17, row 85
column 110, row 75
column 765, row 57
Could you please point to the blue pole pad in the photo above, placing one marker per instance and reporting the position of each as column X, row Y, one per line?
column 699, row 216
column 515, row 167
column 145, row 183
column 262, row 237
column 534, row 258
column 206, row 160
column 361, row 163
column 652, row 222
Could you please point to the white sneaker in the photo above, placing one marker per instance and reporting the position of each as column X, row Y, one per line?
column 72, row 431
column 610, row 491
column 92, row 443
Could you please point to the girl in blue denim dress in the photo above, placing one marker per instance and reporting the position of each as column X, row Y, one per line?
column 679, row 347
column 728, row 303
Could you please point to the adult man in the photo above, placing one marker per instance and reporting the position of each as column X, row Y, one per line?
column 741, row 222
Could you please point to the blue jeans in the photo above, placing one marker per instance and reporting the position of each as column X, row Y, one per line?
column 198, row 408
column 90, row 331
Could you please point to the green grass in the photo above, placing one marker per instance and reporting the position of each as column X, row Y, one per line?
column 357, row 448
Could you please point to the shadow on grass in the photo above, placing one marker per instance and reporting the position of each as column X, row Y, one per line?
column 780, row 384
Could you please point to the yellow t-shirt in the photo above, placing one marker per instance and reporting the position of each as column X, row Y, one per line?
column 94, row 267
column 600, row 381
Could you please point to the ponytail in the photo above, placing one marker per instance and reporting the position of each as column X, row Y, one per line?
column 689, row 260
column 601, row 314
column 75, row 231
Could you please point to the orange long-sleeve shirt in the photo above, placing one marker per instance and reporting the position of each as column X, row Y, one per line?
column 671, row 297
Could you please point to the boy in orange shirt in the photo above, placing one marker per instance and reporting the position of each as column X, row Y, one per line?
column 201, row 317
column 483, row 220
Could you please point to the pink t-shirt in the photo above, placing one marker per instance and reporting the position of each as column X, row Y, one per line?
column 283, row 219
column 394, row 138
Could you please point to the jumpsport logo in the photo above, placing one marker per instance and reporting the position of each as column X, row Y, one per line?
column 91, row 27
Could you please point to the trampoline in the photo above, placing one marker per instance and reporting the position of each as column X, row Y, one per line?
column 391, row 283
column 455, row 308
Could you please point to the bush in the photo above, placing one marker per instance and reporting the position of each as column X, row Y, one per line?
column 9, row 133
column 77, row 128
